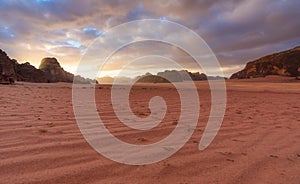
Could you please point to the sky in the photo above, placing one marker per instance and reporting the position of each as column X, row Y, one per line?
column 237, row 31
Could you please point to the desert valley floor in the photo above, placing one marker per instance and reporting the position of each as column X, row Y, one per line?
column 258, row 142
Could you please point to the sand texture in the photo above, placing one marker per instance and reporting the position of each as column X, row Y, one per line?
column 258, row 142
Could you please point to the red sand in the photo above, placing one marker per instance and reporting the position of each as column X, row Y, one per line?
column 257, row 143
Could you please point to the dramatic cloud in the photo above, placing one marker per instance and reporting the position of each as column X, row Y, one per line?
column 236, row 30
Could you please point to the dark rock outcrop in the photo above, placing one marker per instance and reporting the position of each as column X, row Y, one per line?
column 176, row 76
column 197, row 76
column 28, row 73
column 182, row 75
column 149, row 78
column 54, row 72
column 286, row 63
column 7, row 69
column 50, row 71
column 173, row 75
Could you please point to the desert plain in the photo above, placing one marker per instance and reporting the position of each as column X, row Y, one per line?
column 258, row 142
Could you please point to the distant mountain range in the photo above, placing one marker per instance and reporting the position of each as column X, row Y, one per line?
column 286, row 63
column 162, row 77
column 176, row 76
column 49, row 71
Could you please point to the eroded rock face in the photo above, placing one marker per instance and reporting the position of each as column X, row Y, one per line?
column 7, row 69
column 149, row 78
column 11, row 71
column 50, row 71
column 172, row 75
column 182, row 75
column 286, row 63
column 28, row 73
column 54, row 72
column 176, row 76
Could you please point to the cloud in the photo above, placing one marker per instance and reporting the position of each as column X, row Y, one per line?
column 236, row 30
column 6, row 33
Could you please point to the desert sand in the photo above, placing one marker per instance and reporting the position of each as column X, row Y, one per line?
column 258, row 142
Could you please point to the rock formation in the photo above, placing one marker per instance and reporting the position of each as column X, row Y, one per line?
column 149, row 78
column 49, row 71
column 28, row 73
column 163, row 77
column 197, row 76
column 172, row 75
column 7, row 70
column 182, row 75
column 54, row 72
column 176, row 76
column 286, row 63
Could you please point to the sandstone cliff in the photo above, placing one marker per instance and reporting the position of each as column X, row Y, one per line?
column 49, row 71
column 54, row 72
column 28, row 73
column 286, row 63
column 7, row 70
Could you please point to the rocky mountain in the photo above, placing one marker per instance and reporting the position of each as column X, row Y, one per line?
column 197, row 76
column 28, row 73
column 172, row 75
column 54, row 72
column 185, row 75
column 166, row 76
column 7, row 70
column 49, row 71
column 286, row 63
column 149, row 78
column 182, row 75
column 176, row 76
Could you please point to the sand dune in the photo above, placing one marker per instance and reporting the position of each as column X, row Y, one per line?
column 257, row 143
